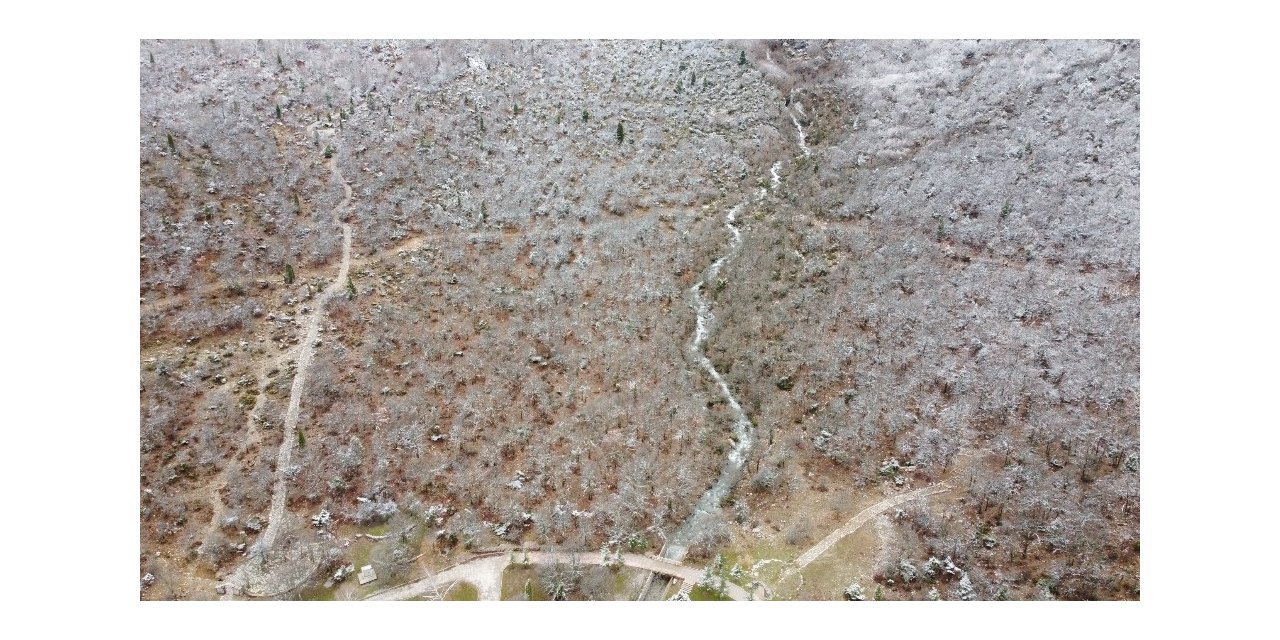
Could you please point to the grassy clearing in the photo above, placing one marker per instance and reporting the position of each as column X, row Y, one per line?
column 514, row 578
column 463, row 591
column 747, row 555
column 847, row 560
column 702, row 593
column 320, row 593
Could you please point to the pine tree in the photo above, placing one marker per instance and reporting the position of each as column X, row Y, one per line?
column 351, row 288
column 620, row 134
column 742, row 57
column 173, row 147
column 151, row 57
column 585, row 115
column 288, row 274
column 278, row 115
column 302, row 440
column 679, row 86
column 481, row 124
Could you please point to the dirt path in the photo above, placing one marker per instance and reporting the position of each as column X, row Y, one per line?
column 862, row 518
column 243, row 576
column 163, row 303
column 306, row 352
column 486, row 573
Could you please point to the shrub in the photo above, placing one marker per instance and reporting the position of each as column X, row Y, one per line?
column 764, row 481
column 370, row 512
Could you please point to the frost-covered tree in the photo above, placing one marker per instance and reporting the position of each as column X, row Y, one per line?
column 964, row 589
column 560, row 579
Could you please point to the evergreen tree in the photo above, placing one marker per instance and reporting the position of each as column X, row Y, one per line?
column 620, row 134
column 585, row 115
column 152, row 57
column 288, row 274
column 742, row 57
column 302, row 440
column 173, row 147
column 278, row 115
column 351, row 288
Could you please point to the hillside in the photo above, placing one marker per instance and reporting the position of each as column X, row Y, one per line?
column 405, row 302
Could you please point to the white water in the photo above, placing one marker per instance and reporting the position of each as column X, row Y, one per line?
column 803, row 147
column 744, row 432
column 774, row 181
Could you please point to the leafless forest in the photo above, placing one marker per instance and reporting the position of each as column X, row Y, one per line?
column 916, row 264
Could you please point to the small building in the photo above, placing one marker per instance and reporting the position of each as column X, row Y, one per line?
column 367, row 574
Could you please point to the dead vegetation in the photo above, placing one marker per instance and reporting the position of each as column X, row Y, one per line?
column 956, row 265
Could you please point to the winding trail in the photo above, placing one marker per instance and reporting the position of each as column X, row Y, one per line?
column 486, row 573
column 862, row 518
column 250, row 580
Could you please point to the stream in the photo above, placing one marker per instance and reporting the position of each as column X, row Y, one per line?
column 743, row 431
column 708, row 505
